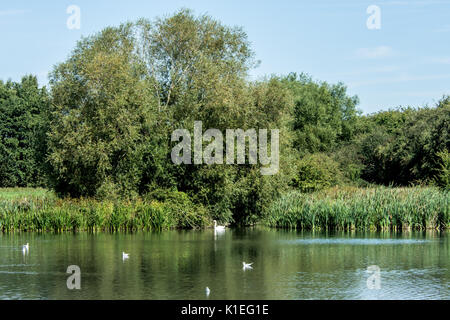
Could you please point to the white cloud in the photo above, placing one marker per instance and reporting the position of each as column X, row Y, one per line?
column 370, row 70
column 419, row 3
column 354, row 3
column 374, row 53
column 11, row 12
column 441, row 60
column 434, row 93
column 398, row 79
column 445, row 28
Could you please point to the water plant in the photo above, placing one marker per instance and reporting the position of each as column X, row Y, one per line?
column 347, row 208
column 46, row 212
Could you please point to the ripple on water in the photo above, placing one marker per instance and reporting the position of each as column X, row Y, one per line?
column 355, row 241
column 414, row 284
column 19, row 272
column 17, row 265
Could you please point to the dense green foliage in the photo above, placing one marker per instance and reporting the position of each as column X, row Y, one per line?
column 104, row 131
column 443, row 176
column 323, row 116
column 123, row 92
column 316, row 172
column 23, row 124
column 378, row 208
column 402, row 146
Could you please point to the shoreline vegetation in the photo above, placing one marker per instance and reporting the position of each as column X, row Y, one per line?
column 339, row 208
column 99, row 136
column 42, row 210
column 349, row 208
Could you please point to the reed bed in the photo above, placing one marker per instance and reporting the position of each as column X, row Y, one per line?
column 45, row 212
column 340, row 208
column 347, row 208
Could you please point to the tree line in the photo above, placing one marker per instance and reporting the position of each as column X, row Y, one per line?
column 103, row 126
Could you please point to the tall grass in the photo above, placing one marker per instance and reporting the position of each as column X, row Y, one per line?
column 340, row 208
column 24, row 193
column 43, row 211
column 379, row 208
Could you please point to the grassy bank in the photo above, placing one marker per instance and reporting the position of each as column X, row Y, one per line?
column 379, row 208
column 41, row 210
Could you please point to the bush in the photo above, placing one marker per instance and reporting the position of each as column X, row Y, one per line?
column 443, row 177
column 317, row 172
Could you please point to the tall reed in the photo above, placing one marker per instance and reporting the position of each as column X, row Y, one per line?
column 345, row 208
column 48, row 213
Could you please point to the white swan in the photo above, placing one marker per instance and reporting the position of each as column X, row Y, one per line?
column 247, row 266
column 207, row 291
column 26, row 247
column 125, row 256
column 218, row 228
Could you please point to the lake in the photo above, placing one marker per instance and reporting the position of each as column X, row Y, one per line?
column 181, row 264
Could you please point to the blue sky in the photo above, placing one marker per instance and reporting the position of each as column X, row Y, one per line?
column 406, row 62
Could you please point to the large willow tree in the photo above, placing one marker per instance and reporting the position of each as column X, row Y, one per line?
column 123, row 91
column 102, row 109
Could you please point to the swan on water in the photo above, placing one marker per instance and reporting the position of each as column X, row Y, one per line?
column 218, row 228
column 125, row 255
column 207, row 291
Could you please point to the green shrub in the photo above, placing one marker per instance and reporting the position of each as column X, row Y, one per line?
column 316, row 172
column 443, row 178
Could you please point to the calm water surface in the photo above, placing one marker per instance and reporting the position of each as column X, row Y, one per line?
column 181, row 264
